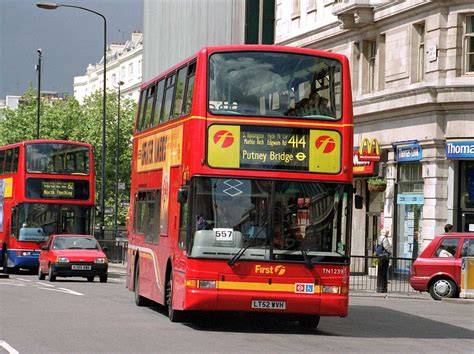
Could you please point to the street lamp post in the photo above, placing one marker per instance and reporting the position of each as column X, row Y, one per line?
column 38, row 98
column 54, row 6
column 117, row 154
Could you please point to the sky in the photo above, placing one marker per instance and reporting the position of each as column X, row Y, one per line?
column 70, row 39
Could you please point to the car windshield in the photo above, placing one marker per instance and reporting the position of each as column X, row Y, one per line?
column 36, row 221
column 57, row 159
column 274, row 84
column 272, row 219
column 75, row 242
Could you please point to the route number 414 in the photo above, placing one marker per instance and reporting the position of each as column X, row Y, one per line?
column 297, row 140
column 224, row 234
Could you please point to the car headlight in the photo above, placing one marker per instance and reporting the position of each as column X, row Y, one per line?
column 62, row 260
column 101, row 260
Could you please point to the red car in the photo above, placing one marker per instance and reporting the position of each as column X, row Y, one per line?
column 73, row 256
column 438, row 268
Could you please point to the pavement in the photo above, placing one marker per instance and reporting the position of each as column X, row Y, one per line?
column 120, row 268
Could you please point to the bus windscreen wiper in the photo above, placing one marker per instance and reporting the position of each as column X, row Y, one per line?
column 308, row 262
column 251, row 242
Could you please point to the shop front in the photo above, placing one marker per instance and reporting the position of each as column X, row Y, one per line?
column 461, row 152
column 409, row 202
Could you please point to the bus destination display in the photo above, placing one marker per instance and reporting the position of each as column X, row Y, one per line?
column 274, row 148
column 39, row 188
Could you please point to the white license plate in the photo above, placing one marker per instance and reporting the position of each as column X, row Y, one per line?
column 81, row 267
column 267, row 304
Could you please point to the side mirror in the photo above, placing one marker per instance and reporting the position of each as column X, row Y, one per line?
column 44, row 248
column 183, row 195
column 104, row 248
column 358, row 201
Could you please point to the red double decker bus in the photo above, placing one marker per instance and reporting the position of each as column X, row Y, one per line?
column 46, row 187
column 241, row 192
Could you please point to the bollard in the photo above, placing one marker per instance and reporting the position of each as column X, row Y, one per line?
column 467, row 278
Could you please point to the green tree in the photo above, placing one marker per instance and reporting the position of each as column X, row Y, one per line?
column 66, row 119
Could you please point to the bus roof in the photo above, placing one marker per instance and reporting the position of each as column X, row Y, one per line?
column 40, row 141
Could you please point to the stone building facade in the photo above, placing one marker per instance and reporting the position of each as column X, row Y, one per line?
column 412, row 69
column 124, row 63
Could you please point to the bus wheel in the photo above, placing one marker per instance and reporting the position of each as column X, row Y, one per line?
column 90, row 278
column 174, row 315
column 51, row 276
column 41, row 276
column 309, row 322
column 103, row 278
column 139, row 300
column 5, row 262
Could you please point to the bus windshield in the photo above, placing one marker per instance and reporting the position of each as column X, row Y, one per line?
column 57, row 159
column 274, row 84
column 281, row 220
column 36, row 221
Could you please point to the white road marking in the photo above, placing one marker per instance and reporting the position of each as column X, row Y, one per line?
column 63, row 290
column 8, row 347
column 44, row 284
column 27, row 280
column 14, row 284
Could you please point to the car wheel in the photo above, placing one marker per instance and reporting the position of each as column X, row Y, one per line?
column 41, row 276
column 309, row 322
column 139, row 300
column 443, row 288
column 90, row 278
column 51, row 275
column 103, row 278
column 174, row 315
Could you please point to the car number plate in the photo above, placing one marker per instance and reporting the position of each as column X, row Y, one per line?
column 81, row 267
column 267, row 304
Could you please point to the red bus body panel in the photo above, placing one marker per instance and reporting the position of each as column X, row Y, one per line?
column 10, row 245
column 237, row 286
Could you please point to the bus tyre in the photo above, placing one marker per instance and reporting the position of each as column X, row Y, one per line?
column 443, row 288
column 174, row 315
column 90, row 278
column 309, row 322
column 41, row 276
column 51, row 275
column 103, row 278
column 139, row 300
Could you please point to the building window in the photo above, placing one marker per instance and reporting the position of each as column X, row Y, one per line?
column 130, row 70
column 295, row 9
column 114, row 79
column 122, row 72
column 469, row 44
column 311, row 6
column 370, row 53
column 420, row 65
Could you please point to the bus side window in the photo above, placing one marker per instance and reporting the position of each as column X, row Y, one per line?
column 141, row 111
column 188, row 99
column 158, row 103
column 16, row 153
column 169, row 93
column 2, row 161
column 179, row 96
column 150, row 97
column 8, row 161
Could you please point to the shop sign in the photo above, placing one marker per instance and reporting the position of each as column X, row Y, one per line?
column 362, row 167
column 410, row 199
column 460, row 149
column 411, row 152
column 369, row 150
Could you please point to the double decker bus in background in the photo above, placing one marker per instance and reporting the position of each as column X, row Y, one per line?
column 46, row 187
column 241, row 191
